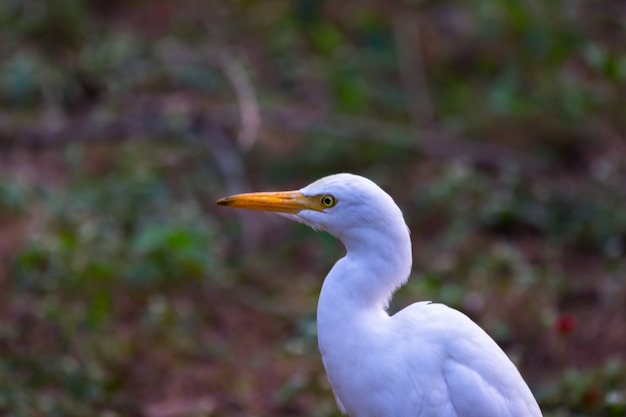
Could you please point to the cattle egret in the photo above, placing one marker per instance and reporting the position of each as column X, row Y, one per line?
column 425, row 360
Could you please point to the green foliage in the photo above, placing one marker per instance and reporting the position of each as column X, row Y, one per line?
column 120, row 230
column 103, row 239
column 13, row 197
column 592, row 391
column 510, row 204
column 57, row 23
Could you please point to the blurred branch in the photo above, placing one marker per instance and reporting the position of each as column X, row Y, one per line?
column 249, row 109
column 412, row 70
column 228, row 161
column 147, row 116
column 175, row 54
column 432, row 143
column 211, row 130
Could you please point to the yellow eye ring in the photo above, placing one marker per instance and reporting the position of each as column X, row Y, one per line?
column 328, row 201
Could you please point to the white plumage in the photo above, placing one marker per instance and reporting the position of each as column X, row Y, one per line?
column 425, row 360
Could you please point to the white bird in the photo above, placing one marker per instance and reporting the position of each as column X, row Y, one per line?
column 425, row 360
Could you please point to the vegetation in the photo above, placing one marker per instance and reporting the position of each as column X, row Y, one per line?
column 497, row 127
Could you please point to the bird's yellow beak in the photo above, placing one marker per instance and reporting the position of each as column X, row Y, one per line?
column 281, row 201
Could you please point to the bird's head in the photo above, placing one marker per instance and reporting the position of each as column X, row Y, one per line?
column 344, row 205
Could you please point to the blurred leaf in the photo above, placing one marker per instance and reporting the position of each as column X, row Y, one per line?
column 326, row 39
column 20, row 79
column 13, row 196
column 350, row 91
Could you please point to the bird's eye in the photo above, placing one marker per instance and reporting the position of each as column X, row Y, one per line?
column 328, row 201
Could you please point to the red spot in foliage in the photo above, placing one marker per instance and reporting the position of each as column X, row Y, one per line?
column 592, row 396
column 564, row 324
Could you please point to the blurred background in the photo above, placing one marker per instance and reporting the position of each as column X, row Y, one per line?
column 497, row 126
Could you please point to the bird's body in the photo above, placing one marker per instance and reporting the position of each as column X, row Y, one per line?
column 425, row 360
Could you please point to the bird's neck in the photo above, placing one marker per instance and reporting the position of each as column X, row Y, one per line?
column 369, row 274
